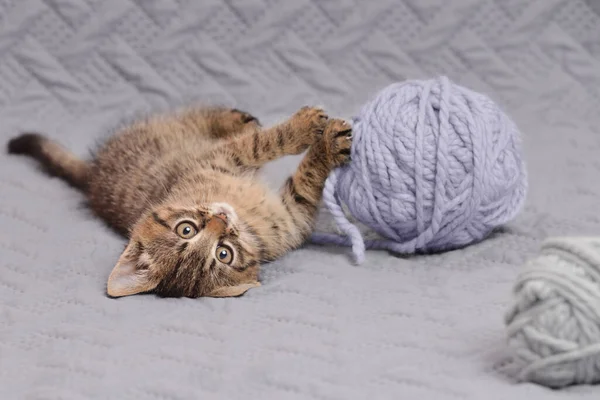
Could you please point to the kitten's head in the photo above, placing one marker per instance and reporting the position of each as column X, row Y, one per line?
column 187, row 252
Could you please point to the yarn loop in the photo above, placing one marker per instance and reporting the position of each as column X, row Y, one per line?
column 553, row 325
column 435, row 166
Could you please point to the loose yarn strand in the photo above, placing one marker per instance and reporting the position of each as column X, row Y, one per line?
column 335, row 209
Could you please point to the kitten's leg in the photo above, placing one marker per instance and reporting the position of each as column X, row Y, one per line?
column 219, row 122
column 257, row 147
column 302, row 192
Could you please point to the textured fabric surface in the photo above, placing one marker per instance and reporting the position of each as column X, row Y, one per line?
column 319, row 327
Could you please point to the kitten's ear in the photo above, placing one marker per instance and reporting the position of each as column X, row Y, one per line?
column 233, row 291
column 127, row 279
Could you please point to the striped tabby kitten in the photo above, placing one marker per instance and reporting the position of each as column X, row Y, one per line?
column 183, row 189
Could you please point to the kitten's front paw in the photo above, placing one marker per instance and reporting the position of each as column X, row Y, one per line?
column 337, row 142
column 309, row 123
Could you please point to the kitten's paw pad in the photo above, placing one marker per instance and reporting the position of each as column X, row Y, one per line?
column 338, row 141
column 242, row 117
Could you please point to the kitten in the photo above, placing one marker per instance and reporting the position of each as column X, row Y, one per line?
column 183, row 188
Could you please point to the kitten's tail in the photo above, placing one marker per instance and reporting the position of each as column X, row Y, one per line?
column 55, row 158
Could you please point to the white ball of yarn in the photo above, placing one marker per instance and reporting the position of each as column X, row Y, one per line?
column 553, row 327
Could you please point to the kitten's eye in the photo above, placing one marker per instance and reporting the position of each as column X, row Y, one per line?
column 186, row 230
column 224, row 254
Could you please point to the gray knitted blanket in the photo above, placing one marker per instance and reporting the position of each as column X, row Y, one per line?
column 319, row 327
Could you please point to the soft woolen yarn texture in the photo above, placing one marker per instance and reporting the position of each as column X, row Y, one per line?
column 553, row 326
column 435, row 166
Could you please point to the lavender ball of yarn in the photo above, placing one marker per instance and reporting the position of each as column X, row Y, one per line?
column 435, row 166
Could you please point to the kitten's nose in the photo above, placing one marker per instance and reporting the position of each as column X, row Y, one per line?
column 216, row 225
column 222, row 216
